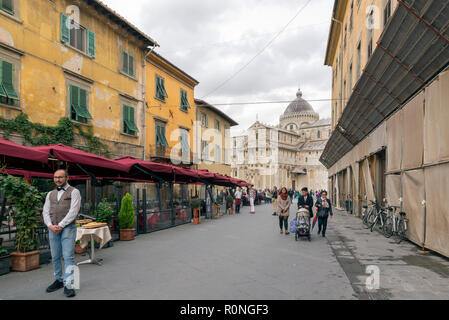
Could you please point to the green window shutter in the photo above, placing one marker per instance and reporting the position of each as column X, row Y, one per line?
column 185, row 142
column 7, row 80
column 129, row 120
column 163, row 89
column 91, row 43
column 8, row 6
column 125, row 119
column 158, row 136
column 164, row 140
column 125, row 62
column 83, row 104
column 160, row 91
column 184, row 102
column 65, row 31
column 131, row 65
column 2, row 91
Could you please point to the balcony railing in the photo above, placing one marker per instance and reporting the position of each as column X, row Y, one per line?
column 170, row 153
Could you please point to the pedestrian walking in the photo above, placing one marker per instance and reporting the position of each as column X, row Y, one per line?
column 252, row 198
column 324, row 207
column 275, row 197
column 305, row 201
column 238, row 200
column 60, row 210
column 283, row 210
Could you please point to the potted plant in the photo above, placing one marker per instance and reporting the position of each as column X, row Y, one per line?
column 79, row 249
column 229, row 203
column 195, row 205
column 127, row 219
column 104, row 212
column 5, row 261
column 27, row 200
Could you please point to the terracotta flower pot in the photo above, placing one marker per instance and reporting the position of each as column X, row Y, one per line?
column 79, row 249
column 127, row 234
column 23, row 262
column 230, row 211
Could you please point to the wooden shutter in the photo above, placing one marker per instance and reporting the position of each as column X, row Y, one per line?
column 131, row 65
column 7, row 80
column 65, row 31
column 8, row 5
column 91, row 43
column 125, row 62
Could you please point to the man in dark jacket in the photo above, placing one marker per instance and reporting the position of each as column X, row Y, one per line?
column 305, row 201
column 324, row 210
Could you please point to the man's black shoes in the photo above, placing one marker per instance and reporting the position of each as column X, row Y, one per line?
column 69, row 293
column 55, row 286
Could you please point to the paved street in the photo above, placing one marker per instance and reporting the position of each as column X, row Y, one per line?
column 244, row 257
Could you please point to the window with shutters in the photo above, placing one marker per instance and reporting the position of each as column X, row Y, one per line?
column 184, row 136
column 128, row 64
column 161, row 93
column 204, row 120
column 160, row 135
column 79, row 111
column 8, row 85
column 7, row 6
column 77, row 36
column 184, row 101
column 129, row 120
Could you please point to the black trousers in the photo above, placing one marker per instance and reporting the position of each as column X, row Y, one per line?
column 322, row 225
column 283, row 222
column 237, row 208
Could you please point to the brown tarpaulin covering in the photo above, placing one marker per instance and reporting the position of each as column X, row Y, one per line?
column 393, row 189
column 368, row 181
column 437, row 209
column 355, row 172
column 413, row 142
column 394, row 142
column 436, row 128
column 413, row 195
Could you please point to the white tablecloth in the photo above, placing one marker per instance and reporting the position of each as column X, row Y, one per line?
column 101, row 235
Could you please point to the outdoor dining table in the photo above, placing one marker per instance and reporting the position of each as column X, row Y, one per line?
column 101, row 235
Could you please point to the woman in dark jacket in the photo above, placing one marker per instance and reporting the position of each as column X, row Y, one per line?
column 324, row 210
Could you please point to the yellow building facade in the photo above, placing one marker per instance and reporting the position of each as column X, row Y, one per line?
column 76, row 59
column 355, row 28
column 170, row 112
column 213, row 139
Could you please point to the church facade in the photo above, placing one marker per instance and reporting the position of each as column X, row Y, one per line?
column 286, row 155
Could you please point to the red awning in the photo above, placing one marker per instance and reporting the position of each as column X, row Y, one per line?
column 96, row 164
column 14, row 150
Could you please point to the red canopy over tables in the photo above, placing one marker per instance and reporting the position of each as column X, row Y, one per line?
column 34, row 162
column 84, row 163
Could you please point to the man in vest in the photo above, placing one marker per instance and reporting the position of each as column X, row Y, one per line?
column 60, row 210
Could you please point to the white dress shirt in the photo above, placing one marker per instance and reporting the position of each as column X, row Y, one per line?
column 75, row 206
column 238, row 194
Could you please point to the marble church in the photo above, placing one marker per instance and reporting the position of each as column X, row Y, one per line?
column 286, row 155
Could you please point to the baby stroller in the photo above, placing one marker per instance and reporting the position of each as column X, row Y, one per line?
column 302, row 224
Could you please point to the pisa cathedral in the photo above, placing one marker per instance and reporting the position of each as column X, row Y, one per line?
column 286, row 155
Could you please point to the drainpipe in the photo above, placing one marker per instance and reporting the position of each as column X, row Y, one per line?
column 144, row 92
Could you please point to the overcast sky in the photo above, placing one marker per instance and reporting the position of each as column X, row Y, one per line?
column 212, row 40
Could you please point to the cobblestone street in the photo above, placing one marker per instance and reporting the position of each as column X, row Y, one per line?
column 244, row 257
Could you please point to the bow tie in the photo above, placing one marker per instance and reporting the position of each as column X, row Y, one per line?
column 60, row 188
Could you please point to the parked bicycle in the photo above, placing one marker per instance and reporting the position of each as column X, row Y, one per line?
column 367, row 214
column 379, row 216
column 396, row 224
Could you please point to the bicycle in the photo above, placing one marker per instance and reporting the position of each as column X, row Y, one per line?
column 396, row 225
column 367, row 215
column 378, row 217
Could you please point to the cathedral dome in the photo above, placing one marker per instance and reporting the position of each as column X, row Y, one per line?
column 298, row 105
column 299, row 113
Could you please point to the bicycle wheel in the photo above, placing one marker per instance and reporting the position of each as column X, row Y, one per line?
column 388, row 227
column 372, row 220
column 368, row 215
column 401, row 231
